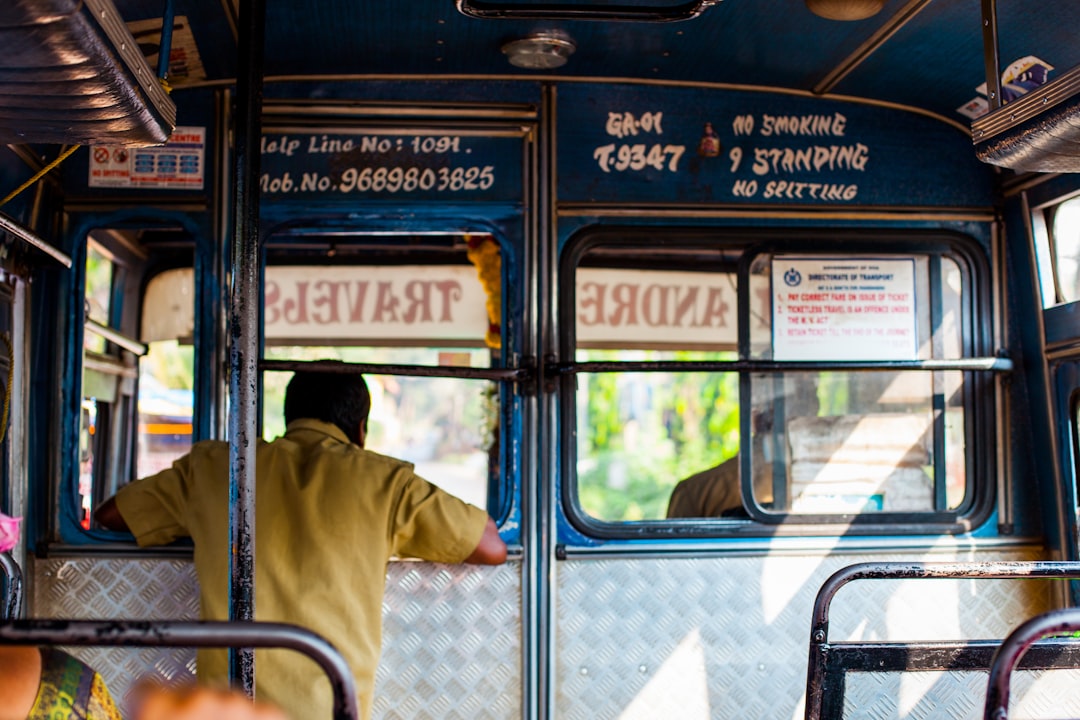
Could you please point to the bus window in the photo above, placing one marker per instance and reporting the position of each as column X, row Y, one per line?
column 664, row 442
column 99, row 286
column 405, row 314
column 1065, row 243
column 108, row 378
column 638, row 433
column 1075, row 407
column 641, row 432
column 166, row 372
column 869, row 441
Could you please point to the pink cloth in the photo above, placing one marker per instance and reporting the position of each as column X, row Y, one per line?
column 9, row 532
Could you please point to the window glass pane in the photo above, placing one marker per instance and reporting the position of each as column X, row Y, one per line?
column 106, row 384
column 1066, row 243
column 1044, row 259
column 166, row 405
column 166, row 399
column 853, row 442
column 652, row 445
column 99, row 279
column 87, row 450
column 835, row 307
column 401, row 314
column 639, row 434
column 446, row 427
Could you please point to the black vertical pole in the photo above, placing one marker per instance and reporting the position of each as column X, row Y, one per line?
column 991, row 61
column 243, row 331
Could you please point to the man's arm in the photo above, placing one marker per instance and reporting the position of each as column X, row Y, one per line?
column 491, row 550
column 109, row 516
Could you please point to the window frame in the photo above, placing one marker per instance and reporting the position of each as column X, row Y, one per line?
column 142, row 256
column 976, row 341
column 112, row 446
column 1043, row 222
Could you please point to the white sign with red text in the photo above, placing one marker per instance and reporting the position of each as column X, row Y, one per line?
column 176, row 165
column 843, row 308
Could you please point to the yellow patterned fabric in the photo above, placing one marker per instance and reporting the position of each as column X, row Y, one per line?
column 70, row 689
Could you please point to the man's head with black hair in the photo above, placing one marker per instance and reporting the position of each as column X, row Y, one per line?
column 337, row 398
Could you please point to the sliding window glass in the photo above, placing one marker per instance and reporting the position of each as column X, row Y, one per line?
column 418, row 313
column 726, row 381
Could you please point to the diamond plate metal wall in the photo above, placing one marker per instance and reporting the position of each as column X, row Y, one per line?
column 451, row 634
column 451, row 643
column 93, row 588
column 701, row 639
column 1049, row 695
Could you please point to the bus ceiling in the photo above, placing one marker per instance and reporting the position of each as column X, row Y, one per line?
column 93, row 85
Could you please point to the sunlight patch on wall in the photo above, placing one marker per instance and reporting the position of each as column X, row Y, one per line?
column 679, row 683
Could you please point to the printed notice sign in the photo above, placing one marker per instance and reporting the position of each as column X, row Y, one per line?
column 843, row 308
column 176, row 165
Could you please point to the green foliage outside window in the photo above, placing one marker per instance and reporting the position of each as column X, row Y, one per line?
column 640, row 433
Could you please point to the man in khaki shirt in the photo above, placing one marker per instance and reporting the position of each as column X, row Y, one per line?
column 329, row 515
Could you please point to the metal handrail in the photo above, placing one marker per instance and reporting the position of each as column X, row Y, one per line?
column 342, row 368
column 151, row 633
column 566, row 11
column 12, row 599
column 10, row 225
column 821, row 649
column 1015, row 645
column 972, row 364
column 116, row 338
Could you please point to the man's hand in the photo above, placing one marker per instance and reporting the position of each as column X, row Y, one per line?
column 491, row 550
column 109, row 516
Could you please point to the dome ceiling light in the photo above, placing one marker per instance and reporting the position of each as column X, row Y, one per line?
column 845, row 9
column 540, row 51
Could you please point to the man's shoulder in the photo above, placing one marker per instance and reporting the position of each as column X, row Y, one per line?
column 375, row 461
column 210, row 448
column 727, row 470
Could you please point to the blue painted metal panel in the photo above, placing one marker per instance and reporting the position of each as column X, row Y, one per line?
column 627, row 144
column 1062, row 323
column 933, row 62
column 937, row 57
column 418, row 92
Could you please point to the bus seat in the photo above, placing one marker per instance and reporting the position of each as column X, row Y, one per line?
column 1061, row 623
column 860, row 462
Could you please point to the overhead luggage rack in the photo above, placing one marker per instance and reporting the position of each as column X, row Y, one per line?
column 1038, row 132
column 71, row 73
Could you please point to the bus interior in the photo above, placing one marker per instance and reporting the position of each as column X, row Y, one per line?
column 702, row 301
